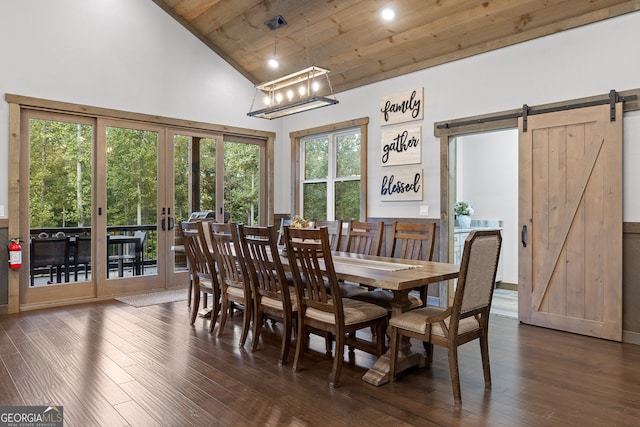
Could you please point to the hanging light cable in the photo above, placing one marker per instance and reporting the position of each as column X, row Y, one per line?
column 295, row 92
column 273, row 61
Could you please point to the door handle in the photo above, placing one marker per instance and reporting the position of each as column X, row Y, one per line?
column 523, row 236
column 163, row 224
column 171, row 223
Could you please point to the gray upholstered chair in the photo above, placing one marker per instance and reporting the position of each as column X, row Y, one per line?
column 467, row 319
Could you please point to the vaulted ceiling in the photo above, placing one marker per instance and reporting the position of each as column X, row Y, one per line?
column 350, row 38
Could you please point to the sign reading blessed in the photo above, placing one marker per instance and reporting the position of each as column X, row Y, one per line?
column 402, row 184
column 401, row 107
column 401, row 146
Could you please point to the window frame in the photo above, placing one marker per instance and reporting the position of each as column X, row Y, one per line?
column 336, row 128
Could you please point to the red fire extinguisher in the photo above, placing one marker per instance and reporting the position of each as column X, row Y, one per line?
column 15, row 254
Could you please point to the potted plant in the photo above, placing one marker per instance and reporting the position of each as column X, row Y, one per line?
column 299, row 222
column 463, row 211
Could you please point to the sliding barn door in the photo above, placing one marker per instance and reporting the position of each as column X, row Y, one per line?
column 570, row 211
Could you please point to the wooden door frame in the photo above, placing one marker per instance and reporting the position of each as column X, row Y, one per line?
column 447, row 130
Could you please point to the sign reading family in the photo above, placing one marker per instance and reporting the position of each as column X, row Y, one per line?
column 402, row 184
column 402, row 107
column 401, row 146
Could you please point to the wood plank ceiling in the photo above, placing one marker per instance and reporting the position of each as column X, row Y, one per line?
column 350, row 38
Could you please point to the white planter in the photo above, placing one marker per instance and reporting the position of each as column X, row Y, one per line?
column 464, row 221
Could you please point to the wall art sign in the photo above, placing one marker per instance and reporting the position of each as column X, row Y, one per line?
column 401, row 146
column 402, row 107
column 401, row 184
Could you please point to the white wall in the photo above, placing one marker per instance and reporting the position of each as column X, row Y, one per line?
column 122, row 54
column 488, row 179
column 130, row 55
column 577, row 63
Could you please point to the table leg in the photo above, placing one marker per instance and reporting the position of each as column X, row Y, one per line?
column 379, row 372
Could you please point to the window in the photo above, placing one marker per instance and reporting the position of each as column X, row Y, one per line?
column 332, row 169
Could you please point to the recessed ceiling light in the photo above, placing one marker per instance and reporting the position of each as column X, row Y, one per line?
column 388, row 14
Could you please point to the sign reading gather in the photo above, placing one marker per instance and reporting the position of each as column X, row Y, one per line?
column 401, row 146
column 402, row 107
column 401, row 184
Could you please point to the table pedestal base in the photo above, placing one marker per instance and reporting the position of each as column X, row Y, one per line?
column 379, row 372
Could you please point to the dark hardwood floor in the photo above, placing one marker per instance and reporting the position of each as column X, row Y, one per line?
column 113, row 364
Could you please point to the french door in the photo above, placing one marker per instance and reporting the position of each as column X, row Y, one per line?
column 96, row 198
column 215, row 174
column 58, row 154
column 133, row 221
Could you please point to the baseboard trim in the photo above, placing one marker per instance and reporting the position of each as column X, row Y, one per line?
column 508, row 286
column 631, row 337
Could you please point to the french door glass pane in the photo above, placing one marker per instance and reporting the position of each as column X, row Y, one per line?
column 241, row 182
column 60, row 201
column 132, row 200
column 181, row 173
column 194, row 170
column 315, row 200
column 348, row 200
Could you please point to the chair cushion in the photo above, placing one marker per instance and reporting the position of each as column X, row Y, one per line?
column 277, row 304
column 205, row 282
column 354, row 312
column 348, row 290
column 416, row 321
column 237, row 292
column 383, row 297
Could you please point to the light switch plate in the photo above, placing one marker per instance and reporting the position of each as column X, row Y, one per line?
column 1, row 211
column 424, row 210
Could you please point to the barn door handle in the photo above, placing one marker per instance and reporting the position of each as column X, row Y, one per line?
column 523, row 236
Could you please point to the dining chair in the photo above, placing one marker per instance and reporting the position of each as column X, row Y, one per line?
column 82, row 256
column 235, row 283
column 138, row 248
column 184, row 228
column 53, row 253
column 322, row 310
column 203, row 273
column 414, row 241
column 130, row 252
column 467, row 319
column 272, row 296
column 284, row 222
column 335, row 232
column 364, row 237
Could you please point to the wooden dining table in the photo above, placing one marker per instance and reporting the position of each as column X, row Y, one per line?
column 400, row 276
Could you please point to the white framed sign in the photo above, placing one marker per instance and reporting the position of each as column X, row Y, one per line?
column 401, row 146
column 402, row 107
column 403, row 183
